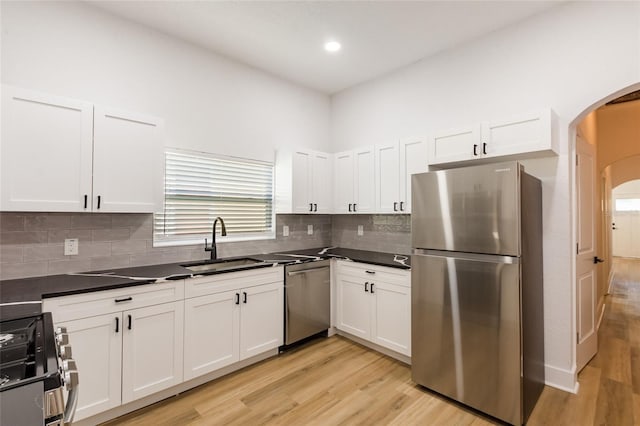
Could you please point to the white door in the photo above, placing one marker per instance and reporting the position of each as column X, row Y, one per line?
column 211, row 339
column 301, row 181
column 261, row 319
column 387, row 174
column 391, row 323
column 354, row 306
column 45, row 155
column 413, row 159
column 128, row 162
column 622, row 234
column 455, row 145
column 586, row 271
column 365, row 181
column 97, row 349
column 343, row 191
column 152, row 348
column 322, row 182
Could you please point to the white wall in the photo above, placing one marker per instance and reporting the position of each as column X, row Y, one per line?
column 568, row 58
column 209, row 103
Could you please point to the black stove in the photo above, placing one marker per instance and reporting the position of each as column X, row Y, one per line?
column 33, row 358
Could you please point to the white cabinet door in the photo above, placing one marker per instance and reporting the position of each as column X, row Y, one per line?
column 523, row 134
column 128, row 162
column 364, row 185
column 322, row 183
column 302, row 162
column 455, row 145
column 97, row 348
column 387, row 178
column 211, row 336
column 391, row 324
column 413, row 159
column 152, row 349
column 343, row 190
column 45, row 155
column 261, row 319
column 354, row 306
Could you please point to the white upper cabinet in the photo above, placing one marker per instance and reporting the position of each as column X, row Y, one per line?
column 303, row 181
column 46, row 152
column 354, row 184
column 59, row 154
column 127, row 162
column 523, row 136
column 394, row 165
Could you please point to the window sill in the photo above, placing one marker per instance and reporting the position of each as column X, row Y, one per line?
column 219, row 240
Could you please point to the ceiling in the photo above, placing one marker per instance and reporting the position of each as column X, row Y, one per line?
column 286, row 38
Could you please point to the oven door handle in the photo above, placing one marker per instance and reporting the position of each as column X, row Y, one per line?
column 72, row 399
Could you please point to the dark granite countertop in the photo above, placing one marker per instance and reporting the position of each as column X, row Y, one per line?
column 23, row 297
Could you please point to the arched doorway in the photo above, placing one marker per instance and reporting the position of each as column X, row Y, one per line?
column 591, row 278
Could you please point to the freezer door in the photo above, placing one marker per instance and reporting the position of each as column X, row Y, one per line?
column 465, row 334
column 471, row 209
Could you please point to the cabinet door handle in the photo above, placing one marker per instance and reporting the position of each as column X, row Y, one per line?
column 117, row 324
column 349, row 207
column 315, row 207
column 395, row 206
column 310, row 207
column 372, row 284
column 401, row 206
column 354, row 207
column 366, row 287
column 126, row 299
column 99, row 197
column 484, row 148
column 244, row 297
column 475, row 149
column 85, row 200
column 129, row 326
column 237, row 298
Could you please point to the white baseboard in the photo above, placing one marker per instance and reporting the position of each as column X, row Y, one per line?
column 560, row 378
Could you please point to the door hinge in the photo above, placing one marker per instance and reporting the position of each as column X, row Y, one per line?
column 577, row 248
column 576, row 160
column 577, row 338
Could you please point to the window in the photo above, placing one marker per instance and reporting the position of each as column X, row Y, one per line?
column 200, row 187
column 627, row 204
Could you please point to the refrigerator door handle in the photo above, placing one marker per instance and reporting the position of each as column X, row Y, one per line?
column 493, row 258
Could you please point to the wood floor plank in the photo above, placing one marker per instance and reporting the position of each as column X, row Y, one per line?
column 615, row 404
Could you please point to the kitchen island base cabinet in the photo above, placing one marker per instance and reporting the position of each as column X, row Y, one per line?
column 374, row 304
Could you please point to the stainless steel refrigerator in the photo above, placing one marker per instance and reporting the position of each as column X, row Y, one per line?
column 477, row 303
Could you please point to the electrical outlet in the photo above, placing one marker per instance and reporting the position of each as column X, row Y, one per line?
column 309, row 229
column 71, row 247
column 285, row 231
column 360, row 230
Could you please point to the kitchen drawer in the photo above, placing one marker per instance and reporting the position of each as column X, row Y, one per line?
column 374, row 272
column 218, row 283
column 68, row 308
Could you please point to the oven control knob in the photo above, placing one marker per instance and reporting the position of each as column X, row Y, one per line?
column 62, row 339
column 65, row 352
column 61, row 330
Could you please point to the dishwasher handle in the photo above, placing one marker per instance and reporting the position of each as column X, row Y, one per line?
column 304, row 271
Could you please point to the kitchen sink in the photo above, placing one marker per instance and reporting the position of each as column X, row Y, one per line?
column 221, row 265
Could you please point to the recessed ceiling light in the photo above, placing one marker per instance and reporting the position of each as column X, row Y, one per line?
column 332, row 46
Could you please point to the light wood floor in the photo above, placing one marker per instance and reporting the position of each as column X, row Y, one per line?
column 335, row 381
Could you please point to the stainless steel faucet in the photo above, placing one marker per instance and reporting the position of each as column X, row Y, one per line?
column 212, row 247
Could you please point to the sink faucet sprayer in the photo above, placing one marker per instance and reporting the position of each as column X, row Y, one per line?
column 212, row 247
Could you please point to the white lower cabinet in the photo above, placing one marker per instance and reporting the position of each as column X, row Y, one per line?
column 242, row 316
column 123, row 354
column 374, row 303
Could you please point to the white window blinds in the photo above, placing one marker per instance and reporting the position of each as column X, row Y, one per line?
column 200, row 187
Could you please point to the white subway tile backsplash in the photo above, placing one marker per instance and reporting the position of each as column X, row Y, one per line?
column 43, row 252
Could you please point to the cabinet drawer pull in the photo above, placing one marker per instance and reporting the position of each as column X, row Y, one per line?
column 129, row 327
column 237, row 298
column 244, row 297
column 370, row 272
column 372, row 284
column 117, row 324
column 366, row 287
column 126, row 299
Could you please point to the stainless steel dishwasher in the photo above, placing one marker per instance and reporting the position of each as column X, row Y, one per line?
column 307, row 306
